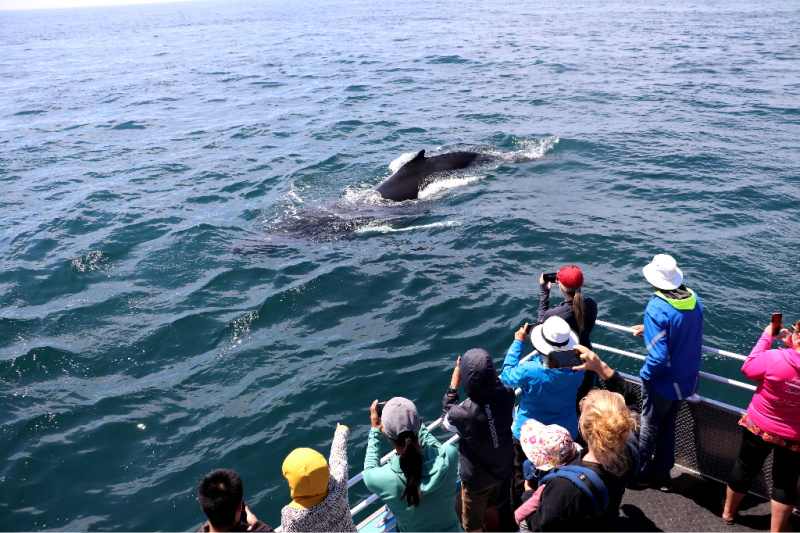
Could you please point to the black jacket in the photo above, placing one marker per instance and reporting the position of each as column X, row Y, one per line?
column 564, row 507
column 567, row 312
column 483, row 421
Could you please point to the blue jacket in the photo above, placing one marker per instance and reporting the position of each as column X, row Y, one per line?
column 673, row 335
column 548, row 394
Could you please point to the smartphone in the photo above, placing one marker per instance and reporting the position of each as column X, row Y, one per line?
column 529, row 328
column 776, row 323
column 550, row 277
column 243, row 517
column 563, row 359
column 379, row 408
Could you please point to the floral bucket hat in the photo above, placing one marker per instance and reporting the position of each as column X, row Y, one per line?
column 547, row 447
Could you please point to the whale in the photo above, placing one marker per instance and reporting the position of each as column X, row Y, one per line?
column 406, row 183
column 335, row 221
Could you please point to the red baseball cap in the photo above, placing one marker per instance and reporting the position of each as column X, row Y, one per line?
column 570, row 277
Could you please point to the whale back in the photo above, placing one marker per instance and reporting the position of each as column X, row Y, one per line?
column 406, row 182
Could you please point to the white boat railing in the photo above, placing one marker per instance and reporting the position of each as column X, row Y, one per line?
column 597, row 347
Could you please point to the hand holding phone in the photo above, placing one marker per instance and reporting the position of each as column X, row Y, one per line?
column 563, row 358
column 550, row 277
column 776, row 323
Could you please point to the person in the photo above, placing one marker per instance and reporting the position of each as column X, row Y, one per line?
column 607, row 426
column 220, row 494
column 673, row 335
column 483, row 423
column 418, row 485
column 771, row 423
column 548, row 394
column 319, row 494
column 579, row 312
column 546, row 447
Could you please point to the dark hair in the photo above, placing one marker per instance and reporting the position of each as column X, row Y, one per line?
column 220, row 493
column 411, row 465
column 578, row 306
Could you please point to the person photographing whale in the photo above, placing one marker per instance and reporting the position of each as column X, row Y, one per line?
column 578, row 311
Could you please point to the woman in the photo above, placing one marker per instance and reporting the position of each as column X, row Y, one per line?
column 548, row 394
column 419, row 483
column 771, row 423
column 319, row 494
column 546, row 447
column 579, row 312
column 607, row 425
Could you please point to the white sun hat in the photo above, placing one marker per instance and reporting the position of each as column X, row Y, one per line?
column 663, row 273
column 554, row 334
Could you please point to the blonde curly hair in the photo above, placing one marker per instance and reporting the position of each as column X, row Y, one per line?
column 606, row 424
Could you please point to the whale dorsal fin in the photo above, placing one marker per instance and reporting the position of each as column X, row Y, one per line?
column 420, row 155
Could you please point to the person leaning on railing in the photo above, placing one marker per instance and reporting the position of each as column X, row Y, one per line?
column 771, row 423
column 673, row 336
column 418, row 485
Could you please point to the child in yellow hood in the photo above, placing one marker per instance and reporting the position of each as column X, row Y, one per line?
column 319, row 493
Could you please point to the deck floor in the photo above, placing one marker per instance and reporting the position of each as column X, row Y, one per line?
column 694, row 504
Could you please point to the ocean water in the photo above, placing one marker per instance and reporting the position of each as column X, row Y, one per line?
column 194, row 273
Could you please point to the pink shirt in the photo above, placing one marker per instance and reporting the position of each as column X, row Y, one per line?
column 775, row 407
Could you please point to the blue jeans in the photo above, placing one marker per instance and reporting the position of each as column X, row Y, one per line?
column 657, row 432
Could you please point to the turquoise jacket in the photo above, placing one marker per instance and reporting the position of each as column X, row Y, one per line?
column 436, row 511
column 548, row 394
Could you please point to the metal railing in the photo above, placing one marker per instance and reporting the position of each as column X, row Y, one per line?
column 597, row 347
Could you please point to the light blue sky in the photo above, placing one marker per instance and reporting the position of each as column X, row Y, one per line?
column 50, row 4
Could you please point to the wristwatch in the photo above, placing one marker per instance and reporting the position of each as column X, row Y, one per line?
column 451, row 390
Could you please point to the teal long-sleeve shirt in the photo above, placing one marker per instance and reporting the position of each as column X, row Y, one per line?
column 436, row 511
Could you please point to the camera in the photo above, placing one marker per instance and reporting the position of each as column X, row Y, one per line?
column 550, row 277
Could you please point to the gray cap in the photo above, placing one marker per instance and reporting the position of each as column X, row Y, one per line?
column 399, row 415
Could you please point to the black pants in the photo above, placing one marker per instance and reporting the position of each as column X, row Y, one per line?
column 517, row 481
column 785, row 468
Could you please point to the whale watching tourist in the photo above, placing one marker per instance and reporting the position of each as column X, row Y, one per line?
column 548, row 394
column 673, row 337
column 319, row 492
column 483, row 423
column 220, row 494
column 418, row 485
column 771, row 424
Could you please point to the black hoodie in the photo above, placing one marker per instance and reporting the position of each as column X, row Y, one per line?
column 483, row 421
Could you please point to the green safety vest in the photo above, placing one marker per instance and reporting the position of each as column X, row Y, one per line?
column 687, row 304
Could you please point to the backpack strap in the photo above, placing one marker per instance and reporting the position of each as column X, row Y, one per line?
column 586, row 480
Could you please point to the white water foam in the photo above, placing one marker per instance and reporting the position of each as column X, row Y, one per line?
column 384, row 228
column 395, row 165
column 440, row 186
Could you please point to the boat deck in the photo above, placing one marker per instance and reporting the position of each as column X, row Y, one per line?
column 694, row 504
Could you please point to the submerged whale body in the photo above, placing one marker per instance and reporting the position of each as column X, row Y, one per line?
column 343, row 220
column 409, row 179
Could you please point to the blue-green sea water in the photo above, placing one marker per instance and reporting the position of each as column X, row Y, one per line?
column 143, row 149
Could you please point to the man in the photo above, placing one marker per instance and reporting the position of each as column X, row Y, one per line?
column 483, row 423
column 220, row 495
column 673, row 335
